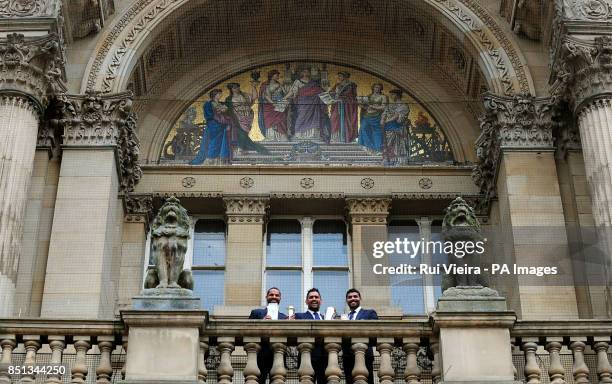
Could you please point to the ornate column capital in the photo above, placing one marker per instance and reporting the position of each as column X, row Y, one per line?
column 368, row 210
column 582, row 70
column 138, row 208
column 31, row 67
column 581, row 51
column 521, row 122
column 246, row 209
column 96, row 120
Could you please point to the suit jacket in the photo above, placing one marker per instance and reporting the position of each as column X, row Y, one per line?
column 307, row 316
column 367, row 314
column 260, row 313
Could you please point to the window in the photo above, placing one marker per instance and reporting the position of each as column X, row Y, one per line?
column 208, row 262
column 306, row 253
column 416, row 294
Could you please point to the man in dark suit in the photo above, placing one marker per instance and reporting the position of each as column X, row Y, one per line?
column 265, row 357
column 319, row 354
column 353, row 300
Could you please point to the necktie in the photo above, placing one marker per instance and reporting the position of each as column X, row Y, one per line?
column 352, row 315
column 316, row 316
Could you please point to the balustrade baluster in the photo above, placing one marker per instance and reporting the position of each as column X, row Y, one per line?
column 202, row 371
column 533, row 372
column 225, row 371
column 125, row 348
column 604, row 369
column 251, row 370
column 333, row 371
column 57, row 345
column 104, row 372
column 386, row 373
column 79, row 369
column 278, row 373
column 556, row 373
column 512, row 349
column 360, row 370
column 412, row 374
column 306, row 371
column 436, row 371
column 31, row 344
column 7, row 343
column 579, row 369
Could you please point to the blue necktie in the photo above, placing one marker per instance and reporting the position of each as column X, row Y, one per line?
column 351, row 315
column 316, row 316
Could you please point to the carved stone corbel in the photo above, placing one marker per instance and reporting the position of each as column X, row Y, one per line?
column 96, row 120
column 368, row 210
column 246, row 210
column 138, row 209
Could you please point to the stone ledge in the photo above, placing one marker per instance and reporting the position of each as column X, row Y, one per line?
column 177, row 318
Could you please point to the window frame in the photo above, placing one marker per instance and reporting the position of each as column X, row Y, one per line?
column 307, row 254
column 425, row 226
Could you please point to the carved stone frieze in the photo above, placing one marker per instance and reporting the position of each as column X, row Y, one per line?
column 32, row 66
column 521, row 122
column 246, row 210
column 595, row 10
column 371, row 210
column 582, row 69
column 95, row 120
column 23, row 8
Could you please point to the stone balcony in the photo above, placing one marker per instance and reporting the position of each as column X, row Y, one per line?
column 406, row 350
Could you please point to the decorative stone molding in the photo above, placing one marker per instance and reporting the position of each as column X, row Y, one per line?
column 33, row 67
column 95, row 120
column 138, row 208
column 582, row 69
column 306, row 195
column 246, row 210
column 368, row 210
column 521, row 122
column 181, row 194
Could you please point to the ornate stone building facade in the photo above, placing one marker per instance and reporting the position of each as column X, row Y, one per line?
column 295, row 134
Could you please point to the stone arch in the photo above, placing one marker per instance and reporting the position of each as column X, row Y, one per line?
column 501, row 62
column 132, row 34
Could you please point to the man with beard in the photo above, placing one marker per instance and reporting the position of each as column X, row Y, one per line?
column 265, row 357
column 353, row 300
column 319, row 354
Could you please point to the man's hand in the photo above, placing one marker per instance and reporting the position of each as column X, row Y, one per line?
column 267, row 317
column 292, row 317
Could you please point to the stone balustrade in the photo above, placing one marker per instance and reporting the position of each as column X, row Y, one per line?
column 405, row 350
column 562, row 351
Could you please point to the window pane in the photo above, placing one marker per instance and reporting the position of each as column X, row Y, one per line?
column 284, row 243
column 406, row 290
column 209, row 287
column 333, row 286
column 290, row 284
column 329, row 243
column 209, row 243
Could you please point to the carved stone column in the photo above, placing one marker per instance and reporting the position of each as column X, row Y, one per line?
column 582, row 76
column 99, row 161
column 368, row 218
column 245, row 216
column 29, row 73
column 517, row 167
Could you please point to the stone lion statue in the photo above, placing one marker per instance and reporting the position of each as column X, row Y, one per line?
column 169, row 238
column 460, row 224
